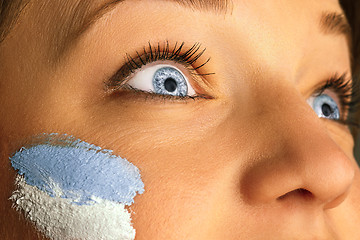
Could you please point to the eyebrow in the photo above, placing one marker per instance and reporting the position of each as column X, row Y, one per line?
column 214, row 6
column 89, row 18
column 330, row 22
column 336, row 24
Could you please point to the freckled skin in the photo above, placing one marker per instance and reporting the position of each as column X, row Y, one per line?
column 254, row 162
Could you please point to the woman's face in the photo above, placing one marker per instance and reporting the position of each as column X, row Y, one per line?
column 248, row 148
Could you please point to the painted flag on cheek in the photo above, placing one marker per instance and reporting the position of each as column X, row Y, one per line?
column 71, row 189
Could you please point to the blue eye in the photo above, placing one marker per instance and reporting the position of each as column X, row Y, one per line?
column 162, row 79
column 170, row 81
column 325, row 107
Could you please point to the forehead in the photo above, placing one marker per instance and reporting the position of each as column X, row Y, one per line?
column 63, row 21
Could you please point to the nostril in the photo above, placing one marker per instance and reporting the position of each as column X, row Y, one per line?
column 298, row 193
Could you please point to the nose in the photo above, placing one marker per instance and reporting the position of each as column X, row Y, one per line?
column 299, row 161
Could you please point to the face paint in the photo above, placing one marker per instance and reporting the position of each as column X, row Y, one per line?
column 71, row 189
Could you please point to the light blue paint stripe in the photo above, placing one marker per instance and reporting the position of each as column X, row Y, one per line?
column 80, row 169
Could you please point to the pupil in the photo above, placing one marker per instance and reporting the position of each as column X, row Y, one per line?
column 170, row 85
column 326, row 109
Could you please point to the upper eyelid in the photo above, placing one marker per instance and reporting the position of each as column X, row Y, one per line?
column 177, row 53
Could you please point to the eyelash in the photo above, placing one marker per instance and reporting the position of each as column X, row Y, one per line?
column 349, row 95
column 178, row 54
column 346, row 89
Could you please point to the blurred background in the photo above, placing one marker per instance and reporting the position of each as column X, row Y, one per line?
column 352, row 12
column 357, row 150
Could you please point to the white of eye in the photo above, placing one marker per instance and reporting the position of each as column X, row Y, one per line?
column 162, row 79
column 325, row 106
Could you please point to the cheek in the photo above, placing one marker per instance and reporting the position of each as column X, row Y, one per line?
column 71, row 189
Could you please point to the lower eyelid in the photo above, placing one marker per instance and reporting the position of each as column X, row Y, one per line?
column 130, row 94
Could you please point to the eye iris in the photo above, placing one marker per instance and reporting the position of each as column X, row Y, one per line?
column 170, row 81
column 326, row 109
column 170, row 85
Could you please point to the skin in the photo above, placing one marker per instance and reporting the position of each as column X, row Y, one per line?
column 224, row 168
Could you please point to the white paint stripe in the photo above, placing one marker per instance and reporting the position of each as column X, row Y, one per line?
column 60, row 219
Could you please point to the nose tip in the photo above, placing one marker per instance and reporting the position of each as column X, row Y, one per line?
column 331, row 184
column 322, row 173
